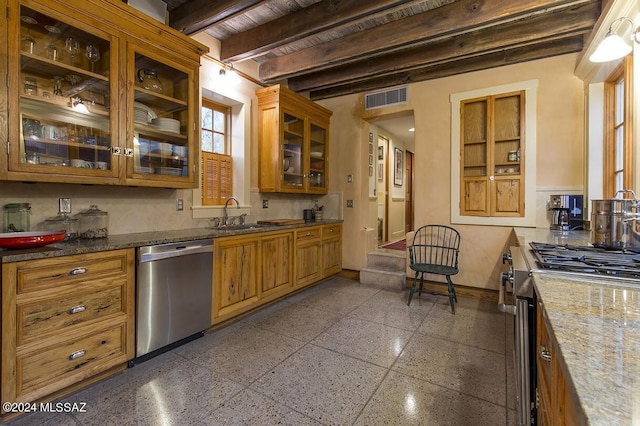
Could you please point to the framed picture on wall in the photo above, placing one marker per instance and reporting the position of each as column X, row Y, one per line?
column 370, row 171
column 380, row 171
column 397, row 173
column 370, row 148
column 380, row 152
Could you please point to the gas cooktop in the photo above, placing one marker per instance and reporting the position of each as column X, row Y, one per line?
column 587, row 259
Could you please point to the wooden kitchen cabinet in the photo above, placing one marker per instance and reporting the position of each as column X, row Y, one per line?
column 492, row 161
column 66, row 322
column 86, row 78
column 277, row 265
column 293, row 142
column 309, row 265
column 556, row 406
column 331, row 249
column 237, row 268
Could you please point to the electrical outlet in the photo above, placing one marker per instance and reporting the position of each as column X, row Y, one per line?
column 179, row 204
column 350, row 204
column 64, row 205
column 265, row 204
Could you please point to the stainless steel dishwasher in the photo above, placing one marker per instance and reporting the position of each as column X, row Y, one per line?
column 173, row 297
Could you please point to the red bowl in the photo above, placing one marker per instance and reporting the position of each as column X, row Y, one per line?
column 22, row 240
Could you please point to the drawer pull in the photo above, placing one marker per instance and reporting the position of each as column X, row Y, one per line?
column 545, row 354
column 77, row 309
column 78, row 271
column 308, row 234
column 77, row 354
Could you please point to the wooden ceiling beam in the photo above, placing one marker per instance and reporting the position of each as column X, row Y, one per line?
column 196, row 15
column 446, row 21
column 494, row 60
column 543, row 28
column 323, row 16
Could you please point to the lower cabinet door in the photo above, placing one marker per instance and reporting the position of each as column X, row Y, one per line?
column 308, row 262
column 236, row 274
column 277, row 264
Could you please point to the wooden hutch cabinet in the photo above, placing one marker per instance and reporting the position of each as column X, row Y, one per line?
column 98, row 93
column 492, row 156
column 293, row 140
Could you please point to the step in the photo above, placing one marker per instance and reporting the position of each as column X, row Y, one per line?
column 383, row 278
column 385, row 260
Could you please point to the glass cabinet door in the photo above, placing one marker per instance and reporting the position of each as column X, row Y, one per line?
column 317, row 157
column 64, row 96
column 162, row 118
column 293, row 151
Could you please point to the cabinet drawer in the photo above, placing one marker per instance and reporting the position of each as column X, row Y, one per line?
column 331, row 231
column 308, row 234
column 37, row 318
column 55, row 367
column 53, row 273
column 42, row 372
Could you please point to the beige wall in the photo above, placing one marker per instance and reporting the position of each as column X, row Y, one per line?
column 560, row 147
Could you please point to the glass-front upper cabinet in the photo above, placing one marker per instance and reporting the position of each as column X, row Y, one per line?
column 317, row 156
column 293, row 151
column 64, row 92
column 163, row 118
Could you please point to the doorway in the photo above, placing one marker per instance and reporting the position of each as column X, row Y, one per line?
column 393, row 175
column 408, row 194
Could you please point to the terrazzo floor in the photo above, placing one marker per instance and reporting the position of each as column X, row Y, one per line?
column 338, row 353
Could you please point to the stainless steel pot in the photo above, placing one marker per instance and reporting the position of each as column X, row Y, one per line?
column 615, row 223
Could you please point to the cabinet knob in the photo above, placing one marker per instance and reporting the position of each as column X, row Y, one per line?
column 77, row 354
column 116, row 150
column 545, row 354
column 77, row 309
column 78, row 271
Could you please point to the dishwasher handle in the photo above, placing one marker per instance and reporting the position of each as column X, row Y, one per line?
column 177, row 250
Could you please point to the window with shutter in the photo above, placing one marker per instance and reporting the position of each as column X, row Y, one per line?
column 217, row 178
column 217, row 170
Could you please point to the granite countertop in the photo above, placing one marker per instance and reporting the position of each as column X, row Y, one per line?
column 114, row 242
column 596, row 325
column 595, row 322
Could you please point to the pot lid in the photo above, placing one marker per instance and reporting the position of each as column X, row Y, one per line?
column 62, row 217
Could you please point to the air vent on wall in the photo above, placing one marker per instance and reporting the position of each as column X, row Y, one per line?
column 394, row 96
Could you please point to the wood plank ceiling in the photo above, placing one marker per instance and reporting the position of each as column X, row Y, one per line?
column 330, row 48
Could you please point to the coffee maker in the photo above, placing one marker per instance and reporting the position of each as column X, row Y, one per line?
column 566, row 212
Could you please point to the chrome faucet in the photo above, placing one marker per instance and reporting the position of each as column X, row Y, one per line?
column 226, row 208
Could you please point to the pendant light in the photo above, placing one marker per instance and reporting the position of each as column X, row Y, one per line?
column 613, row 46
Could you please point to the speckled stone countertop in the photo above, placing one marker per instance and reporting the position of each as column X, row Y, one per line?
column 595, row 322
column 114, row 242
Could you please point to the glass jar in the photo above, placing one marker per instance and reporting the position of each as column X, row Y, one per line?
column 63, row 222
column 93, row 223
column 16, row 217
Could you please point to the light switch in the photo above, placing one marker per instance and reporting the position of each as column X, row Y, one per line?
column 349, row 178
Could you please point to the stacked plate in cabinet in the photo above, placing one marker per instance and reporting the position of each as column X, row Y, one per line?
column 142, row 114
column 166, row 124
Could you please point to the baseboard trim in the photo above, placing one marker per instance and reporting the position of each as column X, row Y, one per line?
column 461, row 290
column 437, row 287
